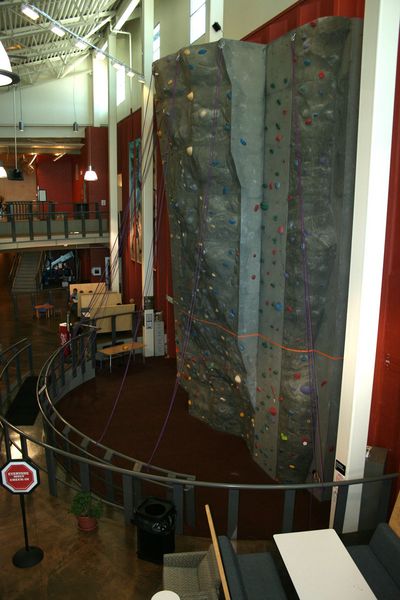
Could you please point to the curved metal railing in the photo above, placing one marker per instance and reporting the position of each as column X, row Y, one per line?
column 182, row 492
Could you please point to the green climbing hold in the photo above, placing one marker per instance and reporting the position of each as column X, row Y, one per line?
column 264, row 206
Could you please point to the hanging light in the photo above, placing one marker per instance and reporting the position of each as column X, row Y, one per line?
column 21, row 121
column 3, row 172
column 90, row 174
column 16, row 174
column 7, row 77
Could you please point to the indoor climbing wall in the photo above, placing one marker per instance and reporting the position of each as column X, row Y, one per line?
column 258, row 148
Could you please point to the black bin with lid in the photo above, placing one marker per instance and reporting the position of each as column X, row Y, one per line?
column 155, row 522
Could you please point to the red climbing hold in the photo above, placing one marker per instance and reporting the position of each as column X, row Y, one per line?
column 308, row 121
column 272, row 411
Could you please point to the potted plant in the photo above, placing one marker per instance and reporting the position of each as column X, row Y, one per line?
column 87, row 509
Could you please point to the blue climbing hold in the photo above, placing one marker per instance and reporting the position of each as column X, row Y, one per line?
column 243, row 142
column 202, row 51
column 278, row 306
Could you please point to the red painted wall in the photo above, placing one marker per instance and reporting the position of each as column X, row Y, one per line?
column 95, row 152
column 58, row 179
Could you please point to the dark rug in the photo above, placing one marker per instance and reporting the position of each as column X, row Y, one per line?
column 24, row 409
column 188, row 445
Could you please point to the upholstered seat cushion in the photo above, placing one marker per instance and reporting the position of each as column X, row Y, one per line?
column 379, row 562
column 192, row 575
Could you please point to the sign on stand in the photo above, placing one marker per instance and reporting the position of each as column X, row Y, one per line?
column 21, row 477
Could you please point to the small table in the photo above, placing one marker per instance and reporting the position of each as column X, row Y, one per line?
column 48, row 308
column 165, row 595
column 119, row 349
column 320, row 566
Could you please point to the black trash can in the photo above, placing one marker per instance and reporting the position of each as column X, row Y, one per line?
column 155, row 522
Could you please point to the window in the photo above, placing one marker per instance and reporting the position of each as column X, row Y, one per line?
column 197, row 19
column 120, row 86
column 156, row 42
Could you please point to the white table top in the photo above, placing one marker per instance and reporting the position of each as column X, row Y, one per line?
column 320, row 566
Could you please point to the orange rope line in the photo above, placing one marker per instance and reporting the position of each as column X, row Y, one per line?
column 261, row 336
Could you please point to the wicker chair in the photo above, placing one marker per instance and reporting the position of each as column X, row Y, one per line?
column 192, row 575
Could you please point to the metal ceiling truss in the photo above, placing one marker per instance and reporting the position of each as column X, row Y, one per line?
column 36, row 53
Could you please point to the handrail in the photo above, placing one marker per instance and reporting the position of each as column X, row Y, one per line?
column 42, row 389
column 182, row 490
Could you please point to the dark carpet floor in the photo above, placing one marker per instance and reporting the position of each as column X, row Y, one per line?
column 24, row 408
column 188, row 445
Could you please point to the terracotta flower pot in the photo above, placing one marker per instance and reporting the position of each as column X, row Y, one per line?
column 87, row 523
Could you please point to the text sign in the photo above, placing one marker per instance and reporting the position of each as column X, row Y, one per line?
column 19, row 477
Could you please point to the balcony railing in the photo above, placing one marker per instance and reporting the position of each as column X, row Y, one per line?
column 26, row 222
column 97, row 468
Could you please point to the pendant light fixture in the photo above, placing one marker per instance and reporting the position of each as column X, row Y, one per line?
column 15, row 174
column 21, row 121
column 7, row 77
column 90, row 174
column 3, row 172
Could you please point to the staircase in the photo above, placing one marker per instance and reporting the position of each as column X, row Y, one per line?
column 27, row 274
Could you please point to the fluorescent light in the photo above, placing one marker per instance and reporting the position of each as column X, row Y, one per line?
column 33, row 160
column 100, row 56
column 90, row 174
column 117, row 66
column 58, row 156
column 130, row 73
column 81, row 45
column 29, row 12
column 141, row 79
column 57, row 30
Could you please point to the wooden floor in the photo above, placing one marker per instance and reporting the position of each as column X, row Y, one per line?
column 76, row 565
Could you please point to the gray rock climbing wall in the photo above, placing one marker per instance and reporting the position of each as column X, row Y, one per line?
column 258, row 149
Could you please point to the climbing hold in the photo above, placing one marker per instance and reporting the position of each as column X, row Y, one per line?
column 202, row 113
column 159, row 133
column 324, row 382
column 297, row 376
column 281, row 229
column 190, row 96
column 307, row 62
column 306, row 389
column 241, row 414
column 264, row 206
column 238, row 379
column 253, row 277
column 186, row 52
column 278, row 306
column 202, row 51
column 292, row 466
column 225, row 190
column 273, row 411
column 279, row 137
column 321, row 75
column 284, row 437
column 189, row 150
column 308, row 121
column 243, row 142
column 256, row 207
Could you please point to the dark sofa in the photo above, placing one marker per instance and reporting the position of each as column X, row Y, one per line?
column 250, row 576
column 379, row 562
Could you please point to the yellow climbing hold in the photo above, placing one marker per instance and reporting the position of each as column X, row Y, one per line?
column 190, row 96
column 284, row 437
column 189, row 150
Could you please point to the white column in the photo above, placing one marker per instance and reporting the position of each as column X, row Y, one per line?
column 112, row 168
column 378, row 74
column 99, row 84
column 147, row 178
column 216, row 15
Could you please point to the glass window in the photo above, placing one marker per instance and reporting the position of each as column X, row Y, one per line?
column 197, row 19
column 156, row 42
